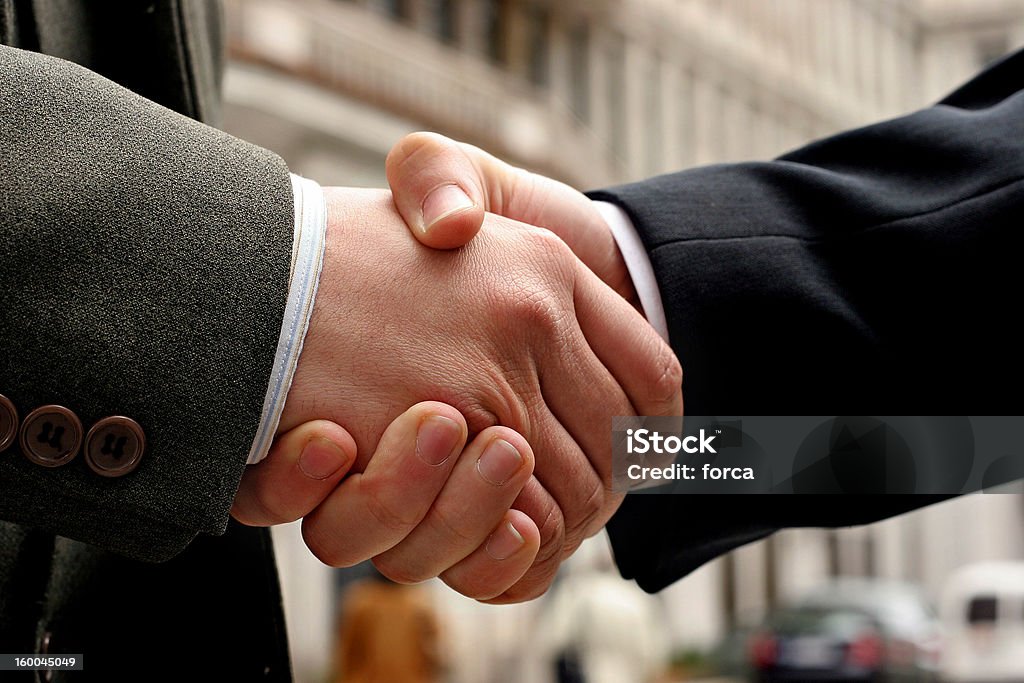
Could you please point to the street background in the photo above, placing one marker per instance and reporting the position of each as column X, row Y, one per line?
column 596, row 92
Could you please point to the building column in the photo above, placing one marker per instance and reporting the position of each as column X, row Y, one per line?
column 843, row 34
column 751, row 586
column 697, row 615
column 598, row 88
column 890, row 548
column 670, row 135
column 559, row 63
column 802, row 562
column 705, row 129
column 686, row 123
column 636, row 84
column 469, row 26
column 517, row 38
column 419, row 15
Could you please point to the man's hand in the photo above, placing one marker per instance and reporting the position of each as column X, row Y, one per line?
column 442, row 189
column 426, row 504
column 512, row 330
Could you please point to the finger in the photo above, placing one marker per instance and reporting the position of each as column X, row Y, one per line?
column 437, row 190
column 372, row 511
column 304, row 465
column 583, row 396
column 500, row 562
column 579, row 478
column 537, row 504
column 639, row 359
column 486, row 480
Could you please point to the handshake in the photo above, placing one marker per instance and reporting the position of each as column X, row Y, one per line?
column 475, row 386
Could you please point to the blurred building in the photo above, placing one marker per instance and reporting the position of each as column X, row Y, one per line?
column 594, row 92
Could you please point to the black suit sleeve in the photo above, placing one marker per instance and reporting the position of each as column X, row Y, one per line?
column 144, row 264
column 874, row 272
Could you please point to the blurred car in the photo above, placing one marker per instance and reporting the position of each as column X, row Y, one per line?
column 850, row 630
column 983, row 611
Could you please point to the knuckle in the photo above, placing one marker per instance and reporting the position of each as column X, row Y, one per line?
column 550, row 251
column 270, row 517
column 531, row 297
column 595, row 502
column 477, row 415
column 587, row 511
column 451, row 529
column 537, row 308
column 413, row 146
column 552, row 535
column 399, row 571
column 666, row 386
column 396, row 520
column 326, row 552
column 261, row 508
column 545, row 241
column 469, row 586
column 242, row 515
column 533, row 585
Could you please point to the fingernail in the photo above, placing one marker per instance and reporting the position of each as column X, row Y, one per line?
column 321, row 457
column 443, row 201
column 436, row 439
column 499, row 462
column 504, row 542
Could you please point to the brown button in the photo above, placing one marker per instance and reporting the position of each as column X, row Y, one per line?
column 114, row 446
column 8, row 423
column 51, row 436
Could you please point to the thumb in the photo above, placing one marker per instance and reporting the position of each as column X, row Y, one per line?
column 442, row 189
column 437, row 188
column 304, row 465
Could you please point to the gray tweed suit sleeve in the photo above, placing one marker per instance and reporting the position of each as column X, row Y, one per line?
column 144, row 263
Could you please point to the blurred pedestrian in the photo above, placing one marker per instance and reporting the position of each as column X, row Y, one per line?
column 387, row 633
column 597, row 628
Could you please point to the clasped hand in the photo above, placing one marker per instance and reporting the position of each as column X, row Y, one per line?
column 512, row 352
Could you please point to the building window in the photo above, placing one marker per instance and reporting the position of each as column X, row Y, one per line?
column 447, row 21
column 440, row 20
column 396, row 9
column 539, row 24
column 579, row 71
column 496, row 30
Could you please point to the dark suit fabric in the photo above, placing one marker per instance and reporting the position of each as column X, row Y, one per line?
column 874, row 272
column 145, row 271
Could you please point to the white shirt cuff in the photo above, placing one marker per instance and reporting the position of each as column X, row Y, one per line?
column 638, row 263
column 307, row 262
